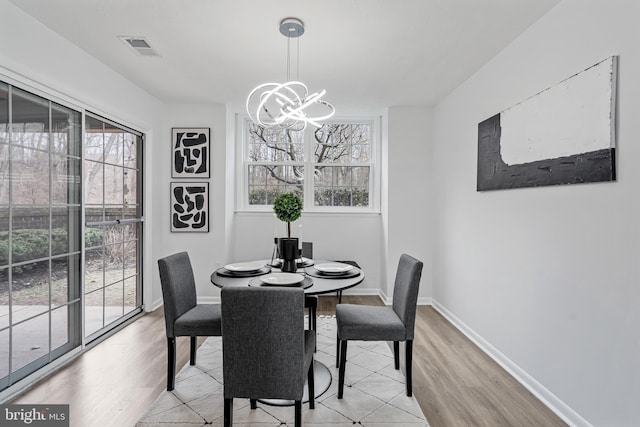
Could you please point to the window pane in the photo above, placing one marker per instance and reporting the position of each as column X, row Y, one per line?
column 114, row 302
column 4, row 353
column 94, row 314
column 94, row 270
column 272, row 145
column 4, row 113
column 93, row 139
column 342, row 186
column 62, row 240
column 30, row 176
column 30, row 341
column 66, row 128
column 4, row 300
column 93, row 175
column 30, row 120
column 4, row 173
column 268, row 181
column 65, row 180
column 130, row 294
column 59, row 327
column 29, row 290
column 31, row 243
column 113, row 179
column 62, row 273
column 130, row 150
column 342, row 143
column 114, row 147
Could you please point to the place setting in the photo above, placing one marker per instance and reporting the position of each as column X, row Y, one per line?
column 332, row 270
column 244, row 269
column 283, row 279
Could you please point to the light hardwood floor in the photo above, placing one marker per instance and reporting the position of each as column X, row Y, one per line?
column 455, row 383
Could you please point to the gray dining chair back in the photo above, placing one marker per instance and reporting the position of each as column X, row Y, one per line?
column 405, row 292
column 376, row 323
column 182, row 314
column 266, row 352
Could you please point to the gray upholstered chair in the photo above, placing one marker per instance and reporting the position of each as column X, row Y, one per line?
column 183, row 316
column 371, row 323
column 266, row 352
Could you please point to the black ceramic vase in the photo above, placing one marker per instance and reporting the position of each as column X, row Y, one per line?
column 289, row 253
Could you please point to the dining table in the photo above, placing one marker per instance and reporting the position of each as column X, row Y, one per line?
column 317, row 277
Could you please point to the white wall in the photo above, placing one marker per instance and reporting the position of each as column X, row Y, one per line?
column 206, row 250
column 547, row 278
column 409, row 210
column 334, row 236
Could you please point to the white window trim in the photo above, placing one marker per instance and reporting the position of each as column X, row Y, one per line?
column 242, row 178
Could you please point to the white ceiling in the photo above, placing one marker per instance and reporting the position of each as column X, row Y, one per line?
column 373, row 53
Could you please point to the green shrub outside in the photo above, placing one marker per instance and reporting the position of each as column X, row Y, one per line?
column 31, row 244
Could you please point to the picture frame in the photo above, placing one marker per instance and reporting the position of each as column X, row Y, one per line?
column 189, row 207
column 190, row 152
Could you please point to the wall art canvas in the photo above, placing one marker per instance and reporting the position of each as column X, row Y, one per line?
column 190, row 207
column 562, row 135
column 190, row 154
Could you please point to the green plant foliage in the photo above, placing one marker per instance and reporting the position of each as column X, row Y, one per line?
column 287, row 207
column 31, row 244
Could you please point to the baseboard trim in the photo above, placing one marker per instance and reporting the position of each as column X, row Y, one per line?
column 561, row 409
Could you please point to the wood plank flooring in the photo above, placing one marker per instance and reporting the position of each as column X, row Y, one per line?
column 455, row 383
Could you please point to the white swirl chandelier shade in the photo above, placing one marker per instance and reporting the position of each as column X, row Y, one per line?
column 288, row 105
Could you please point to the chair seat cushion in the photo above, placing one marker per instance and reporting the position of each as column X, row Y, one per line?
column 368, row 323
column 203, row 320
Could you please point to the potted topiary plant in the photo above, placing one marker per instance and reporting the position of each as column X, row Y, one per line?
column 288, row 208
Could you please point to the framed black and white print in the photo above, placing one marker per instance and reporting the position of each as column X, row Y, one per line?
column 190, row 207
column 190, row 153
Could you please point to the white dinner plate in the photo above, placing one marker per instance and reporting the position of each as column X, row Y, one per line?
column 333, row 267
column 245, row 266
column 282, row 279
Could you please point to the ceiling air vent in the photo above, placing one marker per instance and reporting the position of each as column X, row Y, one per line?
column 140, row 45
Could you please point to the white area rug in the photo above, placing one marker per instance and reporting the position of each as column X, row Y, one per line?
column 374, row 393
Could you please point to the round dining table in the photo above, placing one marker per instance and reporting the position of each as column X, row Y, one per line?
column 321, row 284
column 314, row 284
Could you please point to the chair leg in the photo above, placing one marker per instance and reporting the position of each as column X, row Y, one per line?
column 408, row 356
column 337, row 352
column 228, row 412
column 193, row 350
column 298, row 413
column 396, row 354
column 343, row 361
column 171, row 363
column 254, row 403
column 311, row 387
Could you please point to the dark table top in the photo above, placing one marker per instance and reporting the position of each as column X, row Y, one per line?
column 320, row 285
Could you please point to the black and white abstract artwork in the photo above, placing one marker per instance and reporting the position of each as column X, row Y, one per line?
column 190, row 152
column 562, row 135
column 190, row 207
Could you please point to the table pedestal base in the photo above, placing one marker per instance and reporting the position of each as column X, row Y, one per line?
column 321, row 383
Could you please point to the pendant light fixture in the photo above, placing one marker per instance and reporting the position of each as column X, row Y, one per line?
column 288, row 105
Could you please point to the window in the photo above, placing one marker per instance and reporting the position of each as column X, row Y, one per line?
column 329, row 168
column 42, row 260
column 39, row 232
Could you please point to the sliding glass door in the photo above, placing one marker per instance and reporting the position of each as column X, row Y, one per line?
column 40, row 229
column 113, row 217
column 70, row 270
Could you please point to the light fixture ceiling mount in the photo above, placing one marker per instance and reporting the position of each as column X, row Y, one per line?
column 288, row 105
